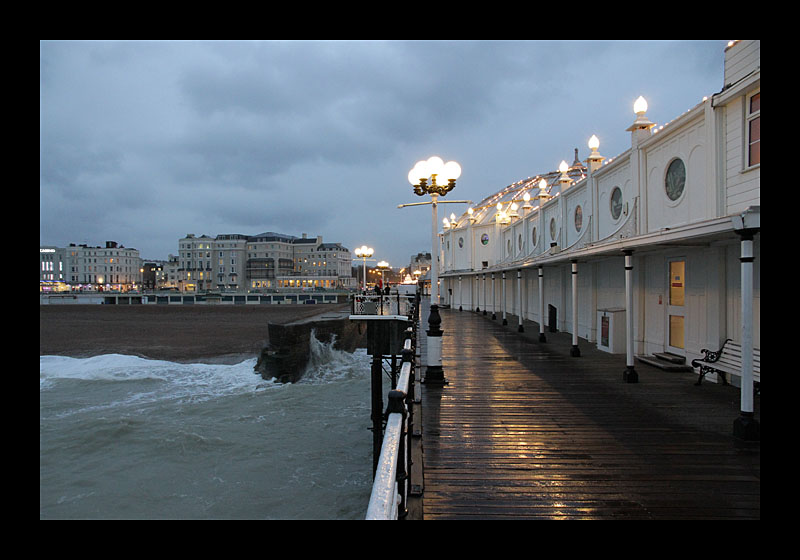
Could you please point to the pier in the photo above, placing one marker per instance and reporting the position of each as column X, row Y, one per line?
column 523, row 430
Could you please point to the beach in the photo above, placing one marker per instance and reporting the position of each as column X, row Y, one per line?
column 178, row 333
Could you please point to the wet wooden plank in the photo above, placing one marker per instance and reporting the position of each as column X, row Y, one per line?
column 524, row 431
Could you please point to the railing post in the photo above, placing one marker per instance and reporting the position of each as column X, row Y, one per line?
column 377, row 406
column 407, row 356
column 397, row 406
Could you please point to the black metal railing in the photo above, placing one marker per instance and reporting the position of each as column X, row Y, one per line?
column 383, row 304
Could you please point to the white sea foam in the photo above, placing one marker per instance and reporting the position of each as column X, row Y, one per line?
column 326, row 364
column 150, row 380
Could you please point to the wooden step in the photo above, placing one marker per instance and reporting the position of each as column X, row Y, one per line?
column 670, row 357
column 666, row 365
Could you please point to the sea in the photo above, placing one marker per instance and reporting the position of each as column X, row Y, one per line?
column 123, row 437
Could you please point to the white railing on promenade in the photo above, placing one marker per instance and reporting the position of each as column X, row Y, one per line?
column 390, row 487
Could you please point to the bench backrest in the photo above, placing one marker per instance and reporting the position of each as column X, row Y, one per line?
column 732, row 358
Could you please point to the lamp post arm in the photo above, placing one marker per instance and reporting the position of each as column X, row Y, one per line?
column 437, row 202
column 412, row 204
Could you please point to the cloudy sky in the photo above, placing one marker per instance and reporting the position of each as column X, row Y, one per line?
column 145, row 142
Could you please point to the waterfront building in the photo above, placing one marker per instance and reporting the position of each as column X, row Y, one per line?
column 655, row 241
column 420, row 262
column 53, row 267
column 266, row 261
column 81, row 267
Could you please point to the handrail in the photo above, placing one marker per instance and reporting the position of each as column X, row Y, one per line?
column 383, row 502
column 391, row 484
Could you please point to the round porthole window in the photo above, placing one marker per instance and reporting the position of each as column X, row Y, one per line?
column 578, row 218
column 519, row 242
column 616, row 203
column 460, row 242
column 485, row 239
column 675, row 181
column 533, row 236
column 553, row 229
column 508, row 247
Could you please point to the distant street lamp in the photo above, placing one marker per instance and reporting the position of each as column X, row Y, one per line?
column 382, row 266
column 364, row 253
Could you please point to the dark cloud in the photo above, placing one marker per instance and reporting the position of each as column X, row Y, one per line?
column 146, row 141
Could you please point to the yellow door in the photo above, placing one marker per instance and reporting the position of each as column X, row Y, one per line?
column 675, row 306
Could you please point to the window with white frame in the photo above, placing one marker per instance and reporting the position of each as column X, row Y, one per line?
column 754, row 129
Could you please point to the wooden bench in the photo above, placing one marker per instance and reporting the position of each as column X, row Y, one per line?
column 728, row 359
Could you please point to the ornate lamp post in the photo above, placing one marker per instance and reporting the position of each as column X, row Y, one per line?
column 364, row 253
column 442, row 177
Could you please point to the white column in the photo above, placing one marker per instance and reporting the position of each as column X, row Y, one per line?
column 630, row 374
column 503, row 303
column 519, row 299
column 484, row 293
column 575, row 351
column 746, row 427
column 541, row 305
column 460, row 294
column 494, row 315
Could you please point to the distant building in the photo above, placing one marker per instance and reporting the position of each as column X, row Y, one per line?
column 81, row 267
column 266, row 261
column 420, row 262
column 53, row 267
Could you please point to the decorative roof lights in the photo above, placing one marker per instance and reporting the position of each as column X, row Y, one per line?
column 543, row 190
column 564, row 181
column 501, row 217
column 642, row 123
column 595, row 160
column 526, row 201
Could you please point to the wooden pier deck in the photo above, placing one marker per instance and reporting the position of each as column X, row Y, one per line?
column 524, row 431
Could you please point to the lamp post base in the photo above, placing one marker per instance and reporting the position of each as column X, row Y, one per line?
column 434, row 376
column 630, row 375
